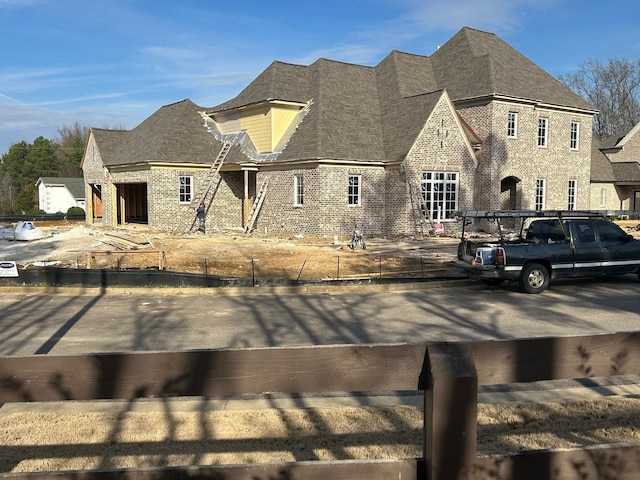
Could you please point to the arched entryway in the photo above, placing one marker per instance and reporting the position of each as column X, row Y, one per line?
column 510, row 193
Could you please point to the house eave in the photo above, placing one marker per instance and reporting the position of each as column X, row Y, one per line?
column 495, row 97
column 248, row 106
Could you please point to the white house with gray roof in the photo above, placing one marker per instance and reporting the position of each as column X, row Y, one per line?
column 59, row 194
column 325, row 148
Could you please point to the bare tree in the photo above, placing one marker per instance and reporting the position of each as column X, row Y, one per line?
column 71, row 141
column 614, row 89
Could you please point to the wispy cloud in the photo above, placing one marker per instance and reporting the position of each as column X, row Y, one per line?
column 18, row 3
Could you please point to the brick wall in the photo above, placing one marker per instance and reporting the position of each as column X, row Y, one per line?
column 520, row 157
column 325, row 211
column 442, row 147
column 630, row 152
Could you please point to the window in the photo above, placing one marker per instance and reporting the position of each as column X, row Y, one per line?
column 543, row 124
column 575, row 135
column 186, row 189
column 440, row 193
column 603, row 197
column 298, row 190
column 571, row 197
column 610, row 232
column 540, row 193
column 584, row 233
column 512, row 125
column 353, row 193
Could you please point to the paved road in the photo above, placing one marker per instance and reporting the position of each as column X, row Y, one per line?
column 64, row 324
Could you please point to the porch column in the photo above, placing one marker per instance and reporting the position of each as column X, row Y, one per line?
column 122, row 205
column 245, row 200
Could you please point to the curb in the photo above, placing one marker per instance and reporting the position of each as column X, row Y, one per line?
column 232, row 291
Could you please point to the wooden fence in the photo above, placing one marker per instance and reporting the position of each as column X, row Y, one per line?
column 448, row 373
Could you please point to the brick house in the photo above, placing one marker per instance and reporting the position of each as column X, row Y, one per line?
column 322, row 149
column 615, row 172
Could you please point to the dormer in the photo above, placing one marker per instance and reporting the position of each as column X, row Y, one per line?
column 268, row 123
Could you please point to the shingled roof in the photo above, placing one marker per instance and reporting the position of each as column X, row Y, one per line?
column 359, row 113
column 603, row 170
column 173, row 134
column 475, row 64
column 375, row 113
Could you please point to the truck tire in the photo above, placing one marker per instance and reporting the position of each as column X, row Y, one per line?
column 534, row 278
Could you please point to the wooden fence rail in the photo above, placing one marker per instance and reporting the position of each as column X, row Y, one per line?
column 448, row 373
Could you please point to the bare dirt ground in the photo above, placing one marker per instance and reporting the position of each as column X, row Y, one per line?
column 55, row 440
column 237, row 255
column 50, row 441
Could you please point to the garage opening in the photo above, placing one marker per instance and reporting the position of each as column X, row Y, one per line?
column 132, row 203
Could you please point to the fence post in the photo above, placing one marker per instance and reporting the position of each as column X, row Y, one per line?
column 450, row 413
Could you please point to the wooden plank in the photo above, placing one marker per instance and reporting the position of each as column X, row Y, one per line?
column 210, row 372
column 406, row 469
column 450, row 413
column 538, row 359
column 619, row 462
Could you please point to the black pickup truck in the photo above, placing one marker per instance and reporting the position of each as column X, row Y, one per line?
column 543, row 245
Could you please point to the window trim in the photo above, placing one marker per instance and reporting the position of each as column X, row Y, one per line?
column 185, row 194
column 298, row 190
column 354, row 191
column 574, row 136
column 543, row 132
column 541, row 194
column 512, row 125
column 449, row 199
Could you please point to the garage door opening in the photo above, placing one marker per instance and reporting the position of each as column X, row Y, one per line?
column 132, row 203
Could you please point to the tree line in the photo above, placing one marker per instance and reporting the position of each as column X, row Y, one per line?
column 24, row 163
column 613, row 88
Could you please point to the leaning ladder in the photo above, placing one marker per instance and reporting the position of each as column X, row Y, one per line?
column 257, row 204
column 424, row 218
column 211, row 175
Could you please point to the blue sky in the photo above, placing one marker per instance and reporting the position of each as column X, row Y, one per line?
column 112, row 63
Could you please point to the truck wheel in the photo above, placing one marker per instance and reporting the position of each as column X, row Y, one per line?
column 534, row 278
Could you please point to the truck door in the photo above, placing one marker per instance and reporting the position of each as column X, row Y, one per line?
column 620, row 255
column 587, row 251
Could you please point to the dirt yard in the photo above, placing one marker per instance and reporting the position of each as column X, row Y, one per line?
column 236, row 255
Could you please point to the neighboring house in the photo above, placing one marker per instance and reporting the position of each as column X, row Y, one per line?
column 615, row 172
column 326, row 148
column 59, row 194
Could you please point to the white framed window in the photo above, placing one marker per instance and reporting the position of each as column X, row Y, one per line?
column 541, row 188
column 603, row 197
column 543, row 131
column 512, row 125
column 574, row 142
column 298, row 190
column 185, row 189
column 354, row 190
column 440, row 193
column 571, row 194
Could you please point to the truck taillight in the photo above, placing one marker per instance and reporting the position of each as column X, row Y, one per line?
column 499, row 256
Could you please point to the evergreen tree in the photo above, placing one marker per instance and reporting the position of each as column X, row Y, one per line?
column 41, row 161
